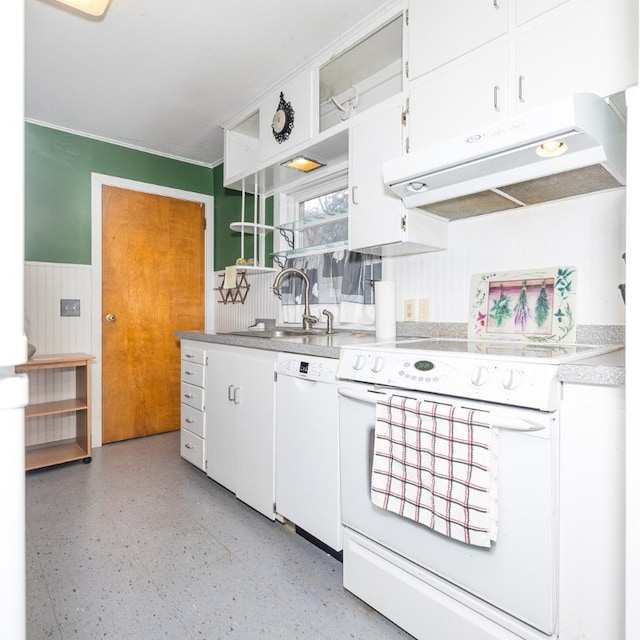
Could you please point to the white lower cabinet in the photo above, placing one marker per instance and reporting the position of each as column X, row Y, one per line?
column 192, row 408
column 239, row 443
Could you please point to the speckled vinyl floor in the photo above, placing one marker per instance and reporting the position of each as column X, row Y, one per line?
column 140, row 545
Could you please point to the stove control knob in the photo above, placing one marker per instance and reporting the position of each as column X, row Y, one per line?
column 511, row 379
column 479, row 375
column 377, row 365
column 358, row 362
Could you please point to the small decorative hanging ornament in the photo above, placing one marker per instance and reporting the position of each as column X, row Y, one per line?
column 542, row 306
column 521, row 310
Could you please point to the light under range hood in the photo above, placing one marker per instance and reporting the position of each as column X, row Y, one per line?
column 499, row 168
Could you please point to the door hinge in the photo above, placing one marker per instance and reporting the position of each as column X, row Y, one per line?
column 405, row 114
column 275, row 376
column 403, row 222
column 406, row 145
column 406, row 68
column 406, row 17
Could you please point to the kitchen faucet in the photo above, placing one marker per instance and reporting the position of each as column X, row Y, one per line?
column 307, row 319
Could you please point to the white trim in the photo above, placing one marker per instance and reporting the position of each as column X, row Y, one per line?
column 119, row 143
column 97, row 182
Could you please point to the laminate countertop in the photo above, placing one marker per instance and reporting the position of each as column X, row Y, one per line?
column 606, row 369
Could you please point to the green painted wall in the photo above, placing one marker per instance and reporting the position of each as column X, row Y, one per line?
column 58, row 167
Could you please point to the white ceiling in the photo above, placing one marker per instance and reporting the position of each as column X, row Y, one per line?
column 162, row 75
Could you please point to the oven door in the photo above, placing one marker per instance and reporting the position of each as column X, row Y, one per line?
column 517, row 574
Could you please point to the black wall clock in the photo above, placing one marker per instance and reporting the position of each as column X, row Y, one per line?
column 282, row 123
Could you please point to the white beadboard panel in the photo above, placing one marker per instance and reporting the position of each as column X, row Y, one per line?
column 587, row 232
column 260, row 302
column 45, row 285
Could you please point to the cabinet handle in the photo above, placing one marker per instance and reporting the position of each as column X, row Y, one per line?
column 496, row 4
column 189, row 355
column 236, row 399
column 521, row 88
column 188, row 395
column 189, row 420
column 496, row 90
column 353, row 195
column 230, row 393
column 188, row 373
column 188, row 445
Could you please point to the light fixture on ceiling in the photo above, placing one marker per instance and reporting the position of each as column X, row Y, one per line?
column 92, row 7
column 302, row 164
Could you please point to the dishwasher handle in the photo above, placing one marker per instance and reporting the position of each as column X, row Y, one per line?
column 498, row 421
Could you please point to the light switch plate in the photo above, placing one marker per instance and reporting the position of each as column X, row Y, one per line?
column 69, row 307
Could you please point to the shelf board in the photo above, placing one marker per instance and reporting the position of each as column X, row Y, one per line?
column 314, row 221
column 47, row 455
column 316, row 248
column 251, row 228
column 52, row 408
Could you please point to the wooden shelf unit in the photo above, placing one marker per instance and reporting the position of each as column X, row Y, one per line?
column 59, row 451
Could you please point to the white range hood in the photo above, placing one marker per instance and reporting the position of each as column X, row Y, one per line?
column 499, row 167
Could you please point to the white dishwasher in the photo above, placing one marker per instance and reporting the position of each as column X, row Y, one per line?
column 307, row 455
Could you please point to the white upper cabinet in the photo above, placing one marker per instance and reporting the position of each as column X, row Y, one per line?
column 241, row 149
column 581, row 46
column 287, row 116
column 469, row 94
column 440, row 31
column 379, row 223
column 529, row 9
column 588, row 46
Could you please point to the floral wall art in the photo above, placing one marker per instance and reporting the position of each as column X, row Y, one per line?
column 536, row 305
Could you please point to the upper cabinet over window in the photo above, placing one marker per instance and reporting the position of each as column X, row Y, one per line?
column 287, row 116
column 364, row 75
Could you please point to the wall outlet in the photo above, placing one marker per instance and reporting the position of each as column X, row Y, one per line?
column 69, row 308
column 410, row 310
column 423, row 310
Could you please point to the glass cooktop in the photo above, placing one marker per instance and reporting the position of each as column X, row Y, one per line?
column 529, row 350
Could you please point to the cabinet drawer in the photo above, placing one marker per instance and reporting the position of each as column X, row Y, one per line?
column 192, row 448
column 192, row 395
column 192, row 419
column 191, row 354
column 193, row 373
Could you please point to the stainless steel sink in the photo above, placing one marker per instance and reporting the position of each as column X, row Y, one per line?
column 285, row 333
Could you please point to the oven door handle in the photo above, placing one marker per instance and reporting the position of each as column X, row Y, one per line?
column 361, row 396
column 514, row 424
column 507, row 423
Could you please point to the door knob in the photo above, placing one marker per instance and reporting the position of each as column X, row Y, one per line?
column 110, row 317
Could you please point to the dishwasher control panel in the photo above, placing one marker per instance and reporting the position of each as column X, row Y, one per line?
column 307, row 367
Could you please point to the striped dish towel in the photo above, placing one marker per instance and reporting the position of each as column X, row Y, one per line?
column 436, row 464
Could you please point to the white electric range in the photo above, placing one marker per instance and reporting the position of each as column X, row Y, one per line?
column 431, row 585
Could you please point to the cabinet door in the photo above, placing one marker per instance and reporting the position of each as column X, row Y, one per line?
column 255, row 431
column 374, row 212
column 528, row 9
column 220, row 440
column 299, row 94
column 461, row 98
column 590, row 47
column 442, row 31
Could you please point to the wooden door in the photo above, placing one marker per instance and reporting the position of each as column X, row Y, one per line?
column 152, row 286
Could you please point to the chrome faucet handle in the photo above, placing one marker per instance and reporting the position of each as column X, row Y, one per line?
column 308, row 320
column 326, row 312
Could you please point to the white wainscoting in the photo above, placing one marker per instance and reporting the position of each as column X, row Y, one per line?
column 260, row 302
column 587, row 232
column 45, row 285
